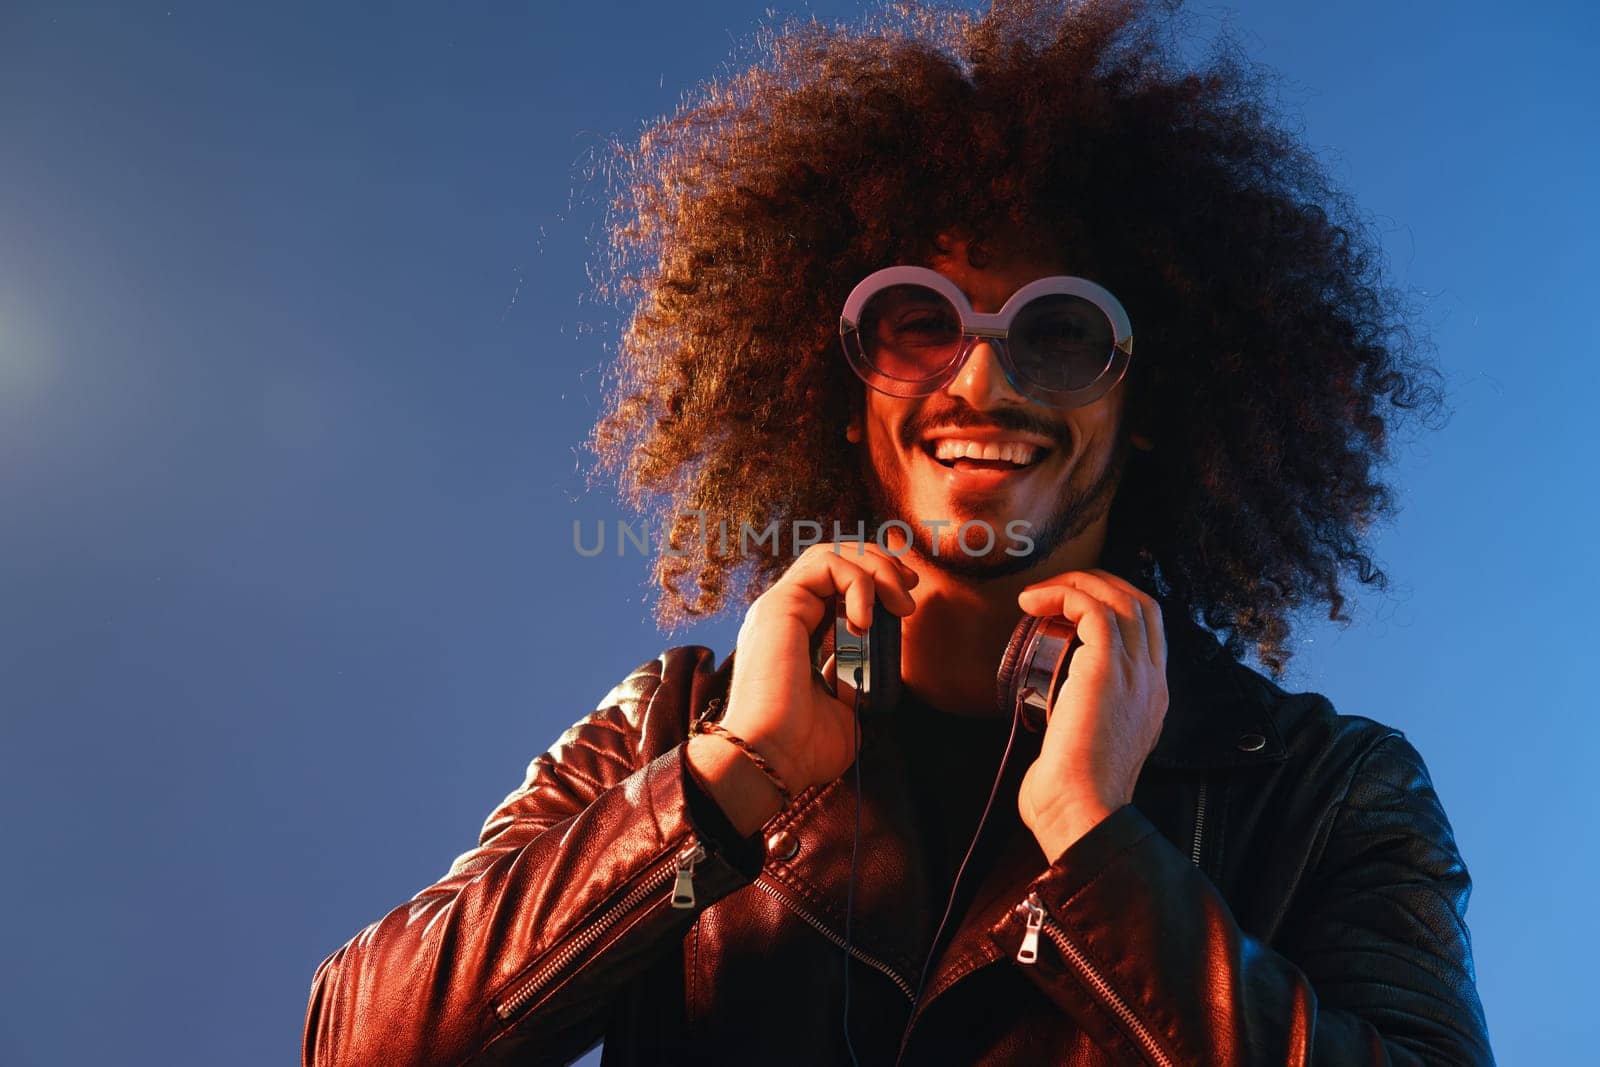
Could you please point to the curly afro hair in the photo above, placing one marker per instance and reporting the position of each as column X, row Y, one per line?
column 1273, row 359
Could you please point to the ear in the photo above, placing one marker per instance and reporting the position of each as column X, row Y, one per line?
column 1141, row 442
column 852, row 430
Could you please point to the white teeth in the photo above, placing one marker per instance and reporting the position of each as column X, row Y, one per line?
column 1018, row 452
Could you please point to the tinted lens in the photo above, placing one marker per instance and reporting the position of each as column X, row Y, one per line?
column 909, row 331
column 1061, row 341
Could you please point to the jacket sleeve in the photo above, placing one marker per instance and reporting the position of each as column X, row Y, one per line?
column 520, row 948
column 1374, row 964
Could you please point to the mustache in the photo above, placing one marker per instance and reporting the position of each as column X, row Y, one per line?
column 966, row 417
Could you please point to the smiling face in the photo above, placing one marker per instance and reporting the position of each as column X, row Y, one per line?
column 978, row 450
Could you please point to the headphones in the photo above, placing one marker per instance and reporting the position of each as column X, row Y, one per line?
column 867, row 666
column 867, row 676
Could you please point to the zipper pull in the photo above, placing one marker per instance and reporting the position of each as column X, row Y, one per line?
column 683, row 884
column 1029, row 952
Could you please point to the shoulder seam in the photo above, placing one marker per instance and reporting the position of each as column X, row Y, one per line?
column 1336, row 809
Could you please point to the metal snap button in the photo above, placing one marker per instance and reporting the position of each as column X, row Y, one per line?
column 1252, row 743
column 783, row 845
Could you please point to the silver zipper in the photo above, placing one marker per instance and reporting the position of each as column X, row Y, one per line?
column 683, row 883
column 871, row 961
column 1039, row 921
column 681, row 865
column 1029, row 952
column 1199, row 822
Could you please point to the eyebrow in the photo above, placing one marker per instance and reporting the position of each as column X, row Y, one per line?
column 1002, row 303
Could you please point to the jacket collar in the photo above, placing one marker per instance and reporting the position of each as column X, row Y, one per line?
column 1219, row 712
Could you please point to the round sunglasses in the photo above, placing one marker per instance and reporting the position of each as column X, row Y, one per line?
column 1062, row 341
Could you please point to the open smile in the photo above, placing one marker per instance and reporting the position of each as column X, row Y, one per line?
column 985, row 458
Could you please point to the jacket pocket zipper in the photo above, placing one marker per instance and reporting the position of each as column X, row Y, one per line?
column 1039, row 922
column 816, row 924
column 680, row 871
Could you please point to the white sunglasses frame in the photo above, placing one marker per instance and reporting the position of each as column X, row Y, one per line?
column 994, row 328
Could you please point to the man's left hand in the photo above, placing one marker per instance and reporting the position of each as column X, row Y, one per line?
column 1108, row 715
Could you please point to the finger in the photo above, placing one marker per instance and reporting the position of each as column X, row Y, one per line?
column 830, row 670
column 1108, row 587
column 1095, row 621
column 1122, row 599
column 859, row 591
column 1045, row 599
column 819, row 575
column 893, row 579
column 865, row 551
column 1154, row 622
column 810, row 586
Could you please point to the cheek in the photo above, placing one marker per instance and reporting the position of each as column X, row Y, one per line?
column 1090, row 435
column 878, row 450
column 1096, row 425
column 885, row 416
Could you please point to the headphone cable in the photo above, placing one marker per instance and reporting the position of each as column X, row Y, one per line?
column 855, row 846
column 994, row 790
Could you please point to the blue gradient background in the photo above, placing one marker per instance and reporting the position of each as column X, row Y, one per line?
column 295, row 357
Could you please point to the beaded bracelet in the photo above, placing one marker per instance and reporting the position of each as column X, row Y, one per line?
column 709, row 726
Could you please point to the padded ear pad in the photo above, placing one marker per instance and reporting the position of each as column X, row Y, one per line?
column 1034, row 668
column 1006, row 681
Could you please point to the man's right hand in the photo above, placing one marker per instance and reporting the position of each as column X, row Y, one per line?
column 775, row 701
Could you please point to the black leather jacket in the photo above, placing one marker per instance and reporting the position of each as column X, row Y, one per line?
column 1284, row 889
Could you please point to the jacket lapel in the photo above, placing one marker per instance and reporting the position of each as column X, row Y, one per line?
column 891, row 912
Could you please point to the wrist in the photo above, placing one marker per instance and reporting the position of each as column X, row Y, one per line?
column 1066, row 823
column 744, row 793
column 771, row 751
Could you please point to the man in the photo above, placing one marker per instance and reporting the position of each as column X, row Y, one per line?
column 1188, row 865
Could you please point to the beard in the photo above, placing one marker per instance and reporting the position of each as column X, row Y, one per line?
column 1077, row 506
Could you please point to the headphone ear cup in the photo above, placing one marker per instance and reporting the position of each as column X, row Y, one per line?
column 1006, row 681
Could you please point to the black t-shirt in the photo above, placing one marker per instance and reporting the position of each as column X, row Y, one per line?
column 952, row 761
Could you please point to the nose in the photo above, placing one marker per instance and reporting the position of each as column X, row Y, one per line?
column 982, row 381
